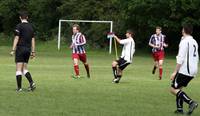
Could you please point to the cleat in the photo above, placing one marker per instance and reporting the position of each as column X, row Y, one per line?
column 179, row 112
column 32, row 87
column 76, row 77
column 19, row 90
column 192, row 106
column 116, row 80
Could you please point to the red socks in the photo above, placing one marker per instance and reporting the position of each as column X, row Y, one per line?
column 76, row 69
column 160, row 72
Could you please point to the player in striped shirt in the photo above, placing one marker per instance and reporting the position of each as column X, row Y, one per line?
column 186, row 69
column 78, row 50
column 158, row 42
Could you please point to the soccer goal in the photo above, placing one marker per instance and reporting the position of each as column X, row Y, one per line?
column 84, row 21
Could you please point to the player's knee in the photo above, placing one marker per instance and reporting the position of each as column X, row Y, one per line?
column 160, row 65
column 25, row 71
column 75, row 62
column 85, row 63
column 18, row 73
column 173, row 91
column 114, row 64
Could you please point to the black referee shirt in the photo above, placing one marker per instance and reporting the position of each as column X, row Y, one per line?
column 25, row 32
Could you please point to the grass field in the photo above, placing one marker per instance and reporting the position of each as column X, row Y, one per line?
column 138, row 94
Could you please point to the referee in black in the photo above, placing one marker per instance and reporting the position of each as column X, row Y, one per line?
column 23, row 48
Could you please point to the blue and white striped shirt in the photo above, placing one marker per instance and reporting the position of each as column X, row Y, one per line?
column 157, row 40
column 78, row 42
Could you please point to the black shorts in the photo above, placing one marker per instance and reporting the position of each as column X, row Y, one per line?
column 122, row 63
column 22, row 54
column 181, row 80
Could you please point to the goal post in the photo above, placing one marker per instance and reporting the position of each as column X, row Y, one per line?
column 85, row 21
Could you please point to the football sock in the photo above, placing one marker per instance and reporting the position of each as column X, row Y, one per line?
column 179, row 103
column 29, row 77
column 184, row 97
column 154, row 69
column 160, row 72
column 114, row 72
column 76, row 69
column 19, row 79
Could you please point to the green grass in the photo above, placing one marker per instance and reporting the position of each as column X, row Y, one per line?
column 138, row 94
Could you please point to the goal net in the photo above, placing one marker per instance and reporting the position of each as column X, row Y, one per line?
column 61, row 21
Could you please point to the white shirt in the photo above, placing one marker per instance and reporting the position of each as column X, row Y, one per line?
column 188, row 56
column 128, row 49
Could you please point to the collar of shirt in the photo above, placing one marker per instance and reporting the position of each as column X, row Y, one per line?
column 186, row 37
column 24, row 21
column 130, row 38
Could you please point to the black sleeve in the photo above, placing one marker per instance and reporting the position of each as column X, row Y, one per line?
column 17, row 30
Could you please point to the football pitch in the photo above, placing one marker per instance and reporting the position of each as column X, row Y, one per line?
column 138, row 94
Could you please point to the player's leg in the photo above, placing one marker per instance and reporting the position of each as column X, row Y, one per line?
column 83, row 58
column 27, row 74
column 160, row 65
column 75, row 58
column 122, row 64
column 179, row 101
column 114, row 68
column 87, row 69
column 19, row 67
column 76, row 67
column 119, row 75
column 161, row 56
column 155, row 57
column 178, row 83
column 155, row 67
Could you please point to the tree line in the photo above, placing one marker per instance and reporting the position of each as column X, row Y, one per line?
column 140, row 15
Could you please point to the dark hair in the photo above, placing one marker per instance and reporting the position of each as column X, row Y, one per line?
column 158, row 27
column 188, row 28
column 23, row 14
column 77, row 26
column 130, row 32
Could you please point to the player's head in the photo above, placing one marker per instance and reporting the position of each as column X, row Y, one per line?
column 23, row 15
column 158, row 30
column 187, row 29
column 75, row 28
column 129, row 33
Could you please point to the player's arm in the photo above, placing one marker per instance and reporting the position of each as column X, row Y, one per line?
column 16, row 39
column 153, row 46
column 124, row 41
column 180, row 58
column 71, row 46
column 165, row 45
column 33, row 48
column 81, row 41
column 117, row 39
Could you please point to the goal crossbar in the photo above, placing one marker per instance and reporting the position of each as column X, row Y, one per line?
column 85, row 21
